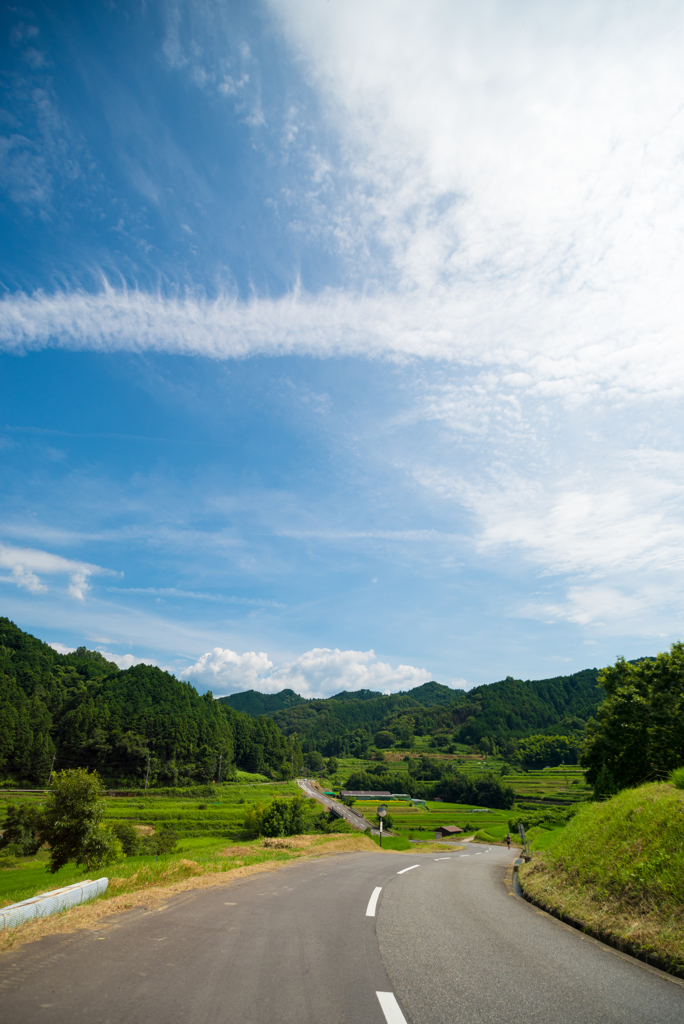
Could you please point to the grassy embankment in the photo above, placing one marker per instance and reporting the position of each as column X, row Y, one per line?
column 618, row 867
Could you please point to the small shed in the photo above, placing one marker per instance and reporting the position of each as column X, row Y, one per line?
column 447, row 831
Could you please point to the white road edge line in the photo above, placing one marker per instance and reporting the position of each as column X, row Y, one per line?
column 390, row 1007
column 373, row 901
column 403, row 872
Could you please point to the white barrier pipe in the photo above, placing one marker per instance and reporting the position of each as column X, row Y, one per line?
column 51, row 902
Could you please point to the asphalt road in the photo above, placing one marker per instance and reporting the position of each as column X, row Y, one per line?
column 315, row 942
column 355, row 818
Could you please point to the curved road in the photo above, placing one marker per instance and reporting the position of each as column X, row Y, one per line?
column 375, row 938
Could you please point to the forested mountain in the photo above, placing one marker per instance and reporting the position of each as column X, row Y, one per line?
column 83, row 711
column 251, row 702
column 492, row 714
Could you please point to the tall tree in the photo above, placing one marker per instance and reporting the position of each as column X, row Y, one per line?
column 639, row 732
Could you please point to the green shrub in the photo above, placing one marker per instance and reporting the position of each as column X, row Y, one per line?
column 677, row 778
column 21, row 829
column 281, row 817
column 127, row 836
column 163, row 841
column 550, row 817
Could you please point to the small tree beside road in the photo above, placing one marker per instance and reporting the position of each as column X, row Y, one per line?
column 72, row 821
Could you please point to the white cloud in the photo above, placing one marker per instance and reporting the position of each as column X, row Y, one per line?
column 198, row 596
column 321, row 672
column 23, row 577
column 126, row 660
column 616, row 515
column 516, row 178
column 224, row 668
column 317, row 673
column 61, row 649
column 25, row 563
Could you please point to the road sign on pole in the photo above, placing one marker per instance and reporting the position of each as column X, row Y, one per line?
column 382, row 811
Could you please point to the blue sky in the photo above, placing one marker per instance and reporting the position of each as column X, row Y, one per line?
column 340, row 345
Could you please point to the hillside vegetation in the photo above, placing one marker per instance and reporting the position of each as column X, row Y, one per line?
column 618, row 866
column 639, row 732
column 81, row 710
column 492, row 716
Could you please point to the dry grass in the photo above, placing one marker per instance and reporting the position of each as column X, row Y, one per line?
column 148, row 889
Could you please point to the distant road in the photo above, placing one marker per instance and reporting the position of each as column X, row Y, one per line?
column 376, row 938
column 353, row 817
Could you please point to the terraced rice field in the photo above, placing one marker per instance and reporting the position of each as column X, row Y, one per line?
column 421, row 822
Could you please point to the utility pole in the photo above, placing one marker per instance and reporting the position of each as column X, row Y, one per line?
column 219, row 771
column 147, row 776
column 51, row 769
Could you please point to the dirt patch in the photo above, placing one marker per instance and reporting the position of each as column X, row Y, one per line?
column 144, row 830
column 238, row 851
column 335, row 842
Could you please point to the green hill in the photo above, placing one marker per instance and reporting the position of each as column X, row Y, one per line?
column 251, row 702
column 494, row 713
column 81, row 710
column 433, row 694
column 618, row 866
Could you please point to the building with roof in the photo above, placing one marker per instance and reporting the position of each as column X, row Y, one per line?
column 364, row 794
column 447, row 831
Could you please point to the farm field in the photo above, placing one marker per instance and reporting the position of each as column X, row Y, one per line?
column 421, row 822
column 562, row 785
column 204, row 825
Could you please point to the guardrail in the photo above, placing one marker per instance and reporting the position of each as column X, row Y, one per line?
column 51, row 902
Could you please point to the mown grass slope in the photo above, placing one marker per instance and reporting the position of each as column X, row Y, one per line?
column 619, row 867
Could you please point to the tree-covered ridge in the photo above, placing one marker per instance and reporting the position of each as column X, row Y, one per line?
column 84, row 711
column 251, row 702
column 495, row 714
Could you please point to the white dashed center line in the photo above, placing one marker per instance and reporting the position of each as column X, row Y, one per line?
column 390, row 1007
column 403, row 872
column 373, row 901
